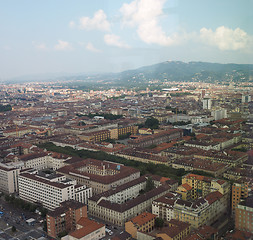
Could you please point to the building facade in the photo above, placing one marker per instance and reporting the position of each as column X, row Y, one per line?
column 50, row 190
column 244, row 215
column 65, row 217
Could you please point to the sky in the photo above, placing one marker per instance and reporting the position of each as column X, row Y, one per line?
column 84, row 36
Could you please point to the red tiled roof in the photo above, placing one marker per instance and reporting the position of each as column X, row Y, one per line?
column 143, row 218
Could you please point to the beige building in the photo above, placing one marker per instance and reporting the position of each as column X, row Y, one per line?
column 118, row 213
column 145, row 222
column 99, row 175
column 203, row 211
column 87, row 229
column 44, row 160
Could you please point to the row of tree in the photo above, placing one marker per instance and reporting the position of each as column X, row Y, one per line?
column 5, row 108
column 145, row 168
column 20, row 203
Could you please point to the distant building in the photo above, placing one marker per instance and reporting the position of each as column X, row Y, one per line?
column 207, row 103
column 246, row 98
column 219, row 114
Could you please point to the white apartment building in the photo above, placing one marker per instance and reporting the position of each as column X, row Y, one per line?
column 44, row 160
column 219, row 114
column 163, row 207
column 9, row 177
column 111, row 207
column 82, row 193
column 50, row 190
column 37, row 161
column 207, row 103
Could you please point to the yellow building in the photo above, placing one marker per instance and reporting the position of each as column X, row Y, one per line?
column 145, row 131
column 144, row 222
column 186, row 191
column 204, row 185
column 203, row 211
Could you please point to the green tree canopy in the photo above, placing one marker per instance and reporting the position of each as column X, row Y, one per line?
column 152, row 123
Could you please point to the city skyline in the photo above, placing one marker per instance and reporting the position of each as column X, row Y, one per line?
column 112, row 36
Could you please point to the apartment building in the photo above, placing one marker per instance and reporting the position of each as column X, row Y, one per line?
column 144, row 222
column 123, row 130
column 203, row 211
column 37, row 161
column 99, row 175
column 97, row 136
column 239, row 192
column 86, row 229
column 141, row 156
column 244, row 215
column 163, row 207
column 118, row 213
column 157, row 138
column 9, row 177
column 176, row 230
column 50, row 190
column 202, row 185
column 186, row 191
column 215, row 142
column 65, row 217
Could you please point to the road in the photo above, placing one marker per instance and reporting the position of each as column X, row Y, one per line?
column 17, row 217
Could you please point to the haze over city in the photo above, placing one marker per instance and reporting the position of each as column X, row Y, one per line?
column 41, row 37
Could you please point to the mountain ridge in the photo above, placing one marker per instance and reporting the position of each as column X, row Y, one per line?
column 163, row 71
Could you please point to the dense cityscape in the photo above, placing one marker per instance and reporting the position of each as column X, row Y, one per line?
column 126, row 120
column 123, row 163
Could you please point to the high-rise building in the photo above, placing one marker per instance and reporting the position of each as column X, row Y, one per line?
column 244, row 215
column 207, row 103
column 65, row 217
column 239, row 191
column 246, row 98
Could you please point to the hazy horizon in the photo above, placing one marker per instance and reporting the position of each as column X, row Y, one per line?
column 62, row 36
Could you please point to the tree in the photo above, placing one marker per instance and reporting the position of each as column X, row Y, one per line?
column 5, row 108
column 13, row 229
column 152, row 123
column 159, row 223
column 149, row 184
column 62, row 234
column 45, row 226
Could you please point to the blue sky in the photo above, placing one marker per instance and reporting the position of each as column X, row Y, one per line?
column 73, row 36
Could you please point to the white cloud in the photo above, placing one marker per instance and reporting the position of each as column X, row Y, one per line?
column 225, row 38
column 144, row 15
column 90, row 47
column 114, row 40
column 98, row 22
column 72, row 24
column 62, row 45
column 40, row 46
column 7, row 48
